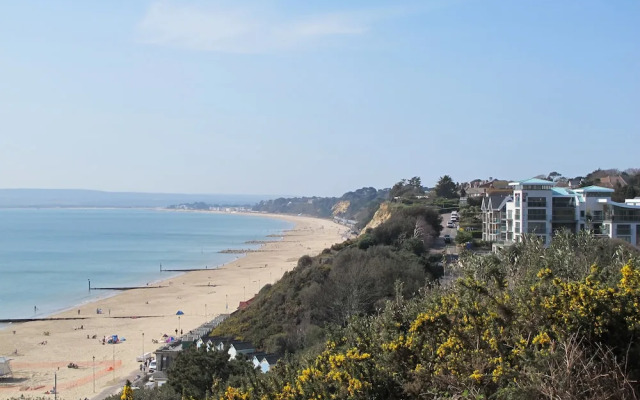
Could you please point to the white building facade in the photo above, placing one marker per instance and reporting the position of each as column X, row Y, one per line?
column 538, row 207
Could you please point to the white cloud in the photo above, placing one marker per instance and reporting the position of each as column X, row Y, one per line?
column 235, row 29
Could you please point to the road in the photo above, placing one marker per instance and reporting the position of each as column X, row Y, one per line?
column 449, row 250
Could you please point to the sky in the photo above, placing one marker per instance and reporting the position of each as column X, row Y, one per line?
column 313, row 98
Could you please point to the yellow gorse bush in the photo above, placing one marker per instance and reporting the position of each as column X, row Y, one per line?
column 482, row 335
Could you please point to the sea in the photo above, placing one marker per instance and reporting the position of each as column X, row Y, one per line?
column 48, row 256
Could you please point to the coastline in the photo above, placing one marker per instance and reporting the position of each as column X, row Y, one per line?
column 142, row 316
column 81, row 296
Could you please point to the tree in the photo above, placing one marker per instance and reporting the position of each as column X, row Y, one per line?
column 411, row 187
column 415, row 182
column 446, row 187
column 196, row 371
column 553, row 176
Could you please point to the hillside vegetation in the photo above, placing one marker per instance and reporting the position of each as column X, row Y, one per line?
column 534, row 323
column 352, row 279
column 358, row 205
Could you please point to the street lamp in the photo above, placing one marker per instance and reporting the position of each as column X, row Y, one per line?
column 143, row 358
column 179, row 325
column 94, row 374
column 244, row 288
column 113, row 367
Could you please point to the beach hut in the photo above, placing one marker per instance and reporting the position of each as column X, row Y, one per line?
column 5, row 367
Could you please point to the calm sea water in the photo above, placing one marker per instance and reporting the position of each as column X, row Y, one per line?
column 47, row 255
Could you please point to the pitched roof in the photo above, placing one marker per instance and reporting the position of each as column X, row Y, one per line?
column 239, row 345
column 271, row 358
column 613, row 180
column 496, row 201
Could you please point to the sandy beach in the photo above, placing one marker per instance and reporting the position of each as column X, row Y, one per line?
column 142, row 316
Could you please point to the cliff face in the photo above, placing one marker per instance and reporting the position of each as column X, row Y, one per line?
column 340, row 208
column 381, row 216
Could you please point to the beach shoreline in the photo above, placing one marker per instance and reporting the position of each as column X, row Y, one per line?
column 45, row 348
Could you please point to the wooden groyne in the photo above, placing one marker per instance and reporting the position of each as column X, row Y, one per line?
column 241, row 251
column 18, row 320
column 127, row 287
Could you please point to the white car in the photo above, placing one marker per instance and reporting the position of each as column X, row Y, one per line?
column 152, row 366
column 450, row 224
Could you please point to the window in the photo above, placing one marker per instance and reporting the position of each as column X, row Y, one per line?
column 537, row 201
column 537, row 215
column 623, row 230
column 597, row 194
column 518, row 214
column 581, row 213
column 517, row 199
column 537, row 227
column 510, row 214
column 517, row 227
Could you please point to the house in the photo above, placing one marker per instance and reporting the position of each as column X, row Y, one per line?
column 494, row 217
column 268, row 361
column 238, row 347
column 218, row 342
column 257, row 358
column 612, row 181
column 538, row 207
column 476, row 192
column 166, row 355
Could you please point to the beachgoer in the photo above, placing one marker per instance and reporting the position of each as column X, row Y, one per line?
column 78, row 312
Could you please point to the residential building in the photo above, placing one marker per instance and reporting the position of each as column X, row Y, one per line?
column 538, row 207
column 494, row 217
column 622, row 220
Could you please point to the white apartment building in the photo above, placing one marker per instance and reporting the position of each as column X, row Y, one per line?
column 537, row 207
column 622, row 220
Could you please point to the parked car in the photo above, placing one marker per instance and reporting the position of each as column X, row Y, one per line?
column 152, row 366
column 450, row 224
column 447, row 238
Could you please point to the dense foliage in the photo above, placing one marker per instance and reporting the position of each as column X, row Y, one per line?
column 532, row 323
column 351, row 279
column 446, row 188
column 362, row 203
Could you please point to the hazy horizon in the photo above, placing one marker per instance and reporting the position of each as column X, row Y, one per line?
column 313, row 98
